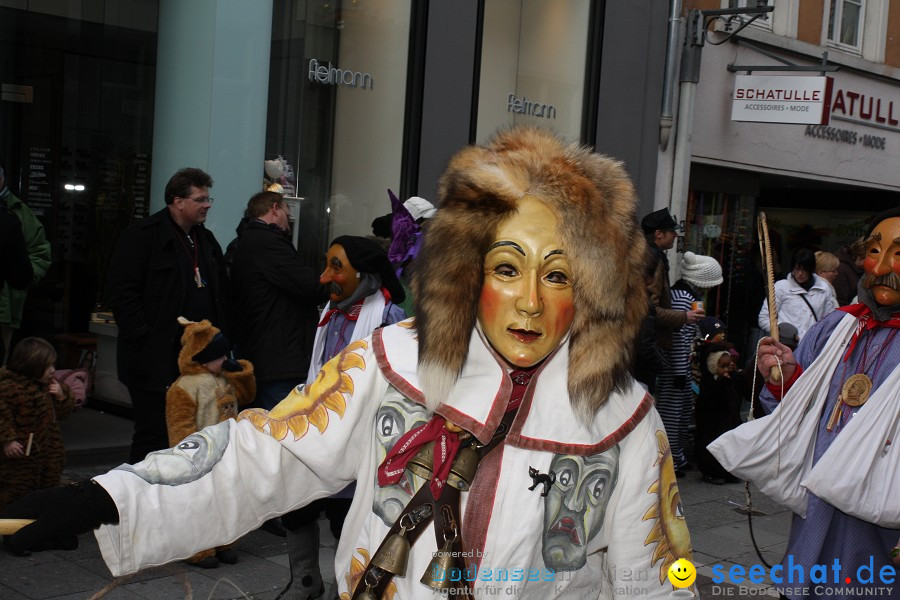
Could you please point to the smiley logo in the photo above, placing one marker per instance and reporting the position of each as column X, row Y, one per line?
column 682, row 573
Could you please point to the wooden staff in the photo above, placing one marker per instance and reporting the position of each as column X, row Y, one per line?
column 10, row 526
column 765, row 250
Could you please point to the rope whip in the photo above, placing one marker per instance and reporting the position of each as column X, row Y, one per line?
column 765, row 250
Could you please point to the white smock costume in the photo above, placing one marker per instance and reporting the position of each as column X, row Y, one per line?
column 610, row 525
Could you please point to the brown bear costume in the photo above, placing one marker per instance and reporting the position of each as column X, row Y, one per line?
column 200, row 398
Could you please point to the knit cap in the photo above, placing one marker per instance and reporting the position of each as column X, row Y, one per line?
column 701, row 271
column 420, row 208
column 709, row 327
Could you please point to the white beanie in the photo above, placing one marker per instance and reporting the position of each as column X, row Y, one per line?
column 701, row 271
column 420, row 208
column 712, row 361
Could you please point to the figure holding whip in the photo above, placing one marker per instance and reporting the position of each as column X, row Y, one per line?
column 830, row 449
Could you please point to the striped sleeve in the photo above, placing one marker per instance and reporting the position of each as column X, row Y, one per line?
column 680, row 355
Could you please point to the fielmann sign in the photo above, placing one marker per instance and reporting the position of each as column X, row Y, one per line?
column 781, row 99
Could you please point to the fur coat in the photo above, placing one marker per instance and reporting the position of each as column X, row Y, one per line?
column 199, row 398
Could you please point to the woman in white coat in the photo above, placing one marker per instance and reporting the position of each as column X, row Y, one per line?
column 801, row 299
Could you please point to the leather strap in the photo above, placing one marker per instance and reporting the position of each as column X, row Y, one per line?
column 447, row 509
column 447, row 527
column 422, row 498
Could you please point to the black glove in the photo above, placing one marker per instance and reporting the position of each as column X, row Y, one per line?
column 60, row 513
column 232, row 365
column 679, row 381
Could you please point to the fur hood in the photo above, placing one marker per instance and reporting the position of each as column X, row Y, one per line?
column 595, row 203
column 196, row 337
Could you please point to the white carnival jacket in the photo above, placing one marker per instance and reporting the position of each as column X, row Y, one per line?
column 610, row 525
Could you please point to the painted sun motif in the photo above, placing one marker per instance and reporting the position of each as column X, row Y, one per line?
column 670, row 532
column 311, row 405
column 357, row 568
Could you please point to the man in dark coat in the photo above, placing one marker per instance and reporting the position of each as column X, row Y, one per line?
column 165, row 266
column 277, row 298
column 659, row 229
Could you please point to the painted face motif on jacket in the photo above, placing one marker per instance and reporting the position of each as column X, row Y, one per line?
column 526, row 305
column 396, row 416
column 339, row 275
column 188, row 461
column 576, row 505
column 882, row 262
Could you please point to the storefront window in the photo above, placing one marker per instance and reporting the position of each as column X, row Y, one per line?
column 533, row 65
column 77, row 122
column 337, row 88
column 723, row 226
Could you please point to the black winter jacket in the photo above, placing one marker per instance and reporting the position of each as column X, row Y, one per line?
column 277, row 298
column 146, row 292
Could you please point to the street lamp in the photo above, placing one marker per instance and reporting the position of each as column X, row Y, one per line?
column 733, row 21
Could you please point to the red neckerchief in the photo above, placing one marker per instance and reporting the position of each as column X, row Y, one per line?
column 353, row 313
column 866, row 321
column 447, row 443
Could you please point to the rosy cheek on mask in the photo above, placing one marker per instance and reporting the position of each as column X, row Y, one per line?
column 565, row 312
column 487, row 304
column 869, row 264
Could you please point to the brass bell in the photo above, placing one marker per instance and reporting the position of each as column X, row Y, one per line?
column 442, row 566
column 393, row 554
column 422, row 464
column 372, row 578
column 463, row 469
column 367, row 595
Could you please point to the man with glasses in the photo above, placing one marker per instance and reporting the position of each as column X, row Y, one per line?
column 164, row 266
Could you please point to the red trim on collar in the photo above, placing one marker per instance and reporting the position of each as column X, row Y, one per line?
column 515, row 437
column 402, row 386
column 483, row 431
